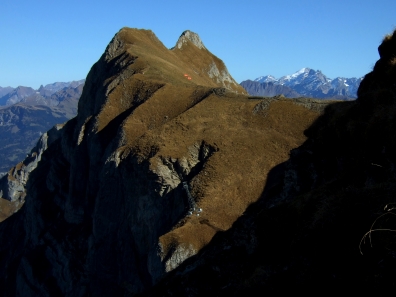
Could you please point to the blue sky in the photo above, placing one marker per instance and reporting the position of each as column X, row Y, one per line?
column 46, row 41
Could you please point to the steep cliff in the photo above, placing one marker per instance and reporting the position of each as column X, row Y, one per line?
column 166, row 151
column 13, row 184
column 325, row 222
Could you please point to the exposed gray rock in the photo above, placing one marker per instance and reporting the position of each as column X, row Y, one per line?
column 263, row 105
column 178, row 256
column 216, row 69
column 312, row 104
column 13, row 184
column 190, row 36
column 222, row 77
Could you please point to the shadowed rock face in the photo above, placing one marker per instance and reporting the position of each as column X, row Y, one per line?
column 13, row 184
column 106, row 213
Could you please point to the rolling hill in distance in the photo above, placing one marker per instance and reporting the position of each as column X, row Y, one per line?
column 172, row 180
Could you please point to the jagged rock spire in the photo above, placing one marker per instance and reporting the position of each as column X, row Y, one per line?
column 191, row 36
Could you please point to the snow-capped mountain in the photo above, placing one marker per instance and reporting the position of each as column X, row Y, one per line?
column 313, row 83
column 267, row 79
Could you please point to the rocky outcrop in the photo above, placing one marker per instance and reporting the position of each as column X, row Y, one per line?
column 199, row 65
column 192, row 37
column 12, row 186
column 13, row 183
column 107, row 210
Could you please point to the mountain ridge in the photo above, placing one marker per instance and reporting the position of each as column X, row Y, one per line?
column 324, row 217
column 311, row 83
column 116, row 178
column 22, row 123
column 41, row 96
column 268, row 89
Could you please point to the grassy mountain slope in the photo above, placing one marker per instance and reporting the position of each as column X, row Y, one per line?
column 308, row 231
column 106, row 211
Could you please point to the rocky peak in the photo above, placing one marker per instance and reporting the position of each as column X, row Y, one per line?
column 108, row 209
column 126, row 56
column 16, row 95
column 192, row 37
column 5, row 91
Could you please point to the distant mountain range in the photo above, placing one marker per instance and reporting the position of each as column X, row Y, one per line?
column 26, row 114
column 42, row 96
column 268, row 89
column 304, row 83
column 5, row 91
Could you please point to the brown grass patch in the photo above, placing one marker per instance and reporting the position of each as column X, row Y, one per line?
column 162, row 114
column 249, row 145
column 7, row 208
